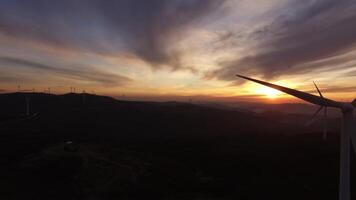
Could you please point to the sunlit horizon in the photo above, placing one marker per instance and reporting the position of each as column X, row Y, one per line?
column 157, row 56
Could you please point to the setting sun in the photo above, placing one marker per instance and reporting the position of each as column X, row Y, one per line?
column 268, row 92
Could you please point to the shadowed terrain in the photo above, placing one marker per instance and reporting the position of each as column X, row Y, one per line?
column 82, row 146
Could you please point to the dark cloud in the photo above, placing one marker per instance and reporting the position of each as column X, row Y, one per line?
column 307, row 31
column 147, row 29
column 77, row 73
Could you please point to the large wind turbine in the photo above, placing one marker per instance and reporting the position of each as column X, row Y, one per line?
column 348, row 130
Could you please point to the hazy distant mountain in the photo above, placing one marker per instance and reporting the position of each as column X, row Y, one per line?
column 287, row 108
column 91, row 115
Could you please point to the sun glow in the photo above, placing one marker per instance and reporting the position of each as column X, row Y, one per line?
column 268, row 92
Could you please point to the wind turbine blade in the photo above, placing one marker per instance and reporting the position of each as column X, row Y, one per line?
column 318, row 89
column 299, row 94
column 313, row 118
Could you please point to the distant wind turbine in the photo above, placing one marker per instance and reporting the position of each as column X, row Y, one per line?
column 348, row 129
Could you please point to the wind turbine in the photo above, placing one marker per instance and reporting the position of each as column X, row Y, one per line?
column 348, row 130
column 325, row 123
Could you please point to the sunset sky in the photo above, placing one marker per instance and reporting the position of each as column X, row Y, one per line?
column 179, row 49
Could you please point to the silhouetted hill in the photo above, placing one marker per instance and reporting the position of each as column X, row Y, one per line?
column 285, row 108
column 86, row 114
column 77, row 146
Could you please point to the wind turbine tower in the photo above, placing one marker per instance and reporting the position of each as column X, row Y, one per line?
column 348, row 129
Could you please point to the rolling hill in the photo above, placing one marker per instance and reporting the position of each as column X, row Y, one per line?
column 103, row 148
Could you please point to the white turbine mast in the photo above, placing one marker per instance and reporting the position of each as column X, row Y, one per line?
column 348, row 130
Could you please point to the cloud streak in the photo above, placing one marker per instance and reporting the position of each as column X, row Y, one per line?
column 76, row 73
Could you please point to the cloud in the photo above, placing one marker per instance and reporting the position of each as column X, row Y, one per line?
column 335, row 89
column 146, row 29
column 305, row 32
column 76, row 73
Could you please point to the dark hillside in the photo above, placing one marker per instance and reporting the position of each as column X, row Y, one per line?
column 102, row 148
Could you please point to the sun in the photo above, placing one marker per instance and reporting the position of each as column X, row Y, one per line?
column 268, row 92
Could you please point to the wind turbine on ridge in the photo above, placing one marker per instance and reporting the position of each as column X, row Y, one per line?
column 348, row 129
